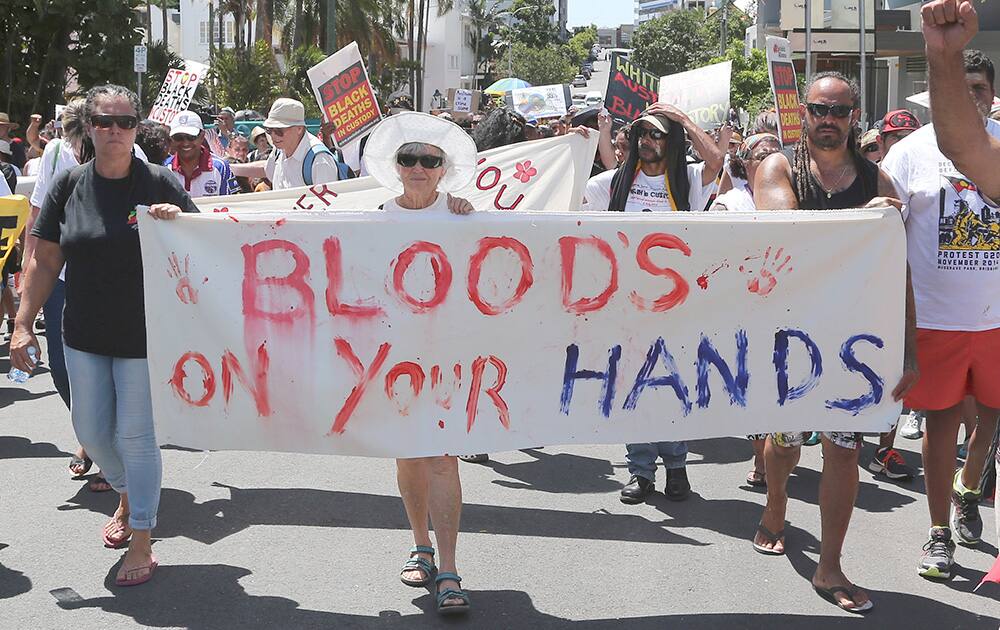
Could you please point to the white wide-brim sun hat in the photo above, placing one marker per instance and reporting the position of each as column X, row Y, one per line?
column 395, row 131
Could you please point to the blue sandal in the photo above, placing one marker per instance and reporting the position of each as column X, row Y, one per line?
column 416, row 563
column 450, row 593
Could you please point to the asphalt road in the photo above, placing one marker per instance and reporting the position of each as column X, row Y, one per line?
column 267, row 540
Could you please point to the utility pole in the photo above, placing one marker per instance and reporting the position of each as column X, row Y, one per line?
column 724, row 28
column 809, row 41
column 864, row 63
column 331, row 26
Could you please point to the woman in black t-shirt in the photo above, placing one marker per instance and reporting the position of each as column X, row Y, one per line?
column 88, row 220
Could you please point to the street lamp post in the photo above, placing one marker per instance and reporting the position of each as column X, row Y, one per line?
column 510, row 39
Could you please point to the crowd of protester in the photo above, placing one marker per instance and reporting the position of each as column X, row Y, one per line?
column 99, row 161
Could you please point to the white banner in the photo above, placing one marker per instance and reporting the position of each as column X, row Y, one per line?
column 415, row 334
column 702, row 94
column 177, row 91
column 546, row 174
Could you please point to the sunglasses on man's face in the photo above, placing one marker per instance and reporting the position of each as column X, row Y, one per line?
column 104, row 121
column 639, row 132
column 819, row 110
column 427, row 161
column 275, row 132
column 183, row 137
column 871, row 148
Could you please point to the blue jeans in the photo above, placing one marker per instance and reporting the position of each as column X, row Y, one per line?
column 113, row 419
column 641, row 458
column 53, row 311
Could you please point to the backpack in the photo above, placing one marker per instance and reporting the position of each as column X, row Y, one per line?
column 343, row 171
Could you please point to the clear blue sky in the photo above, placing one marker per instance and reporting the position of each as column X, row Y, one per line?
column 600, row 12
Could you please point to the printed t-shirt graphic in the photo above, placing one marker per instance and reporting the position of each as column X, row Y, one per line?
column 952, row 235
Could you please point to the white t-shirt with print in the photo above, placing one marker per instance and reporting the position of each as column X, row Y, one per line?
column 952, row 236
column 737, row 199
column 649, row 194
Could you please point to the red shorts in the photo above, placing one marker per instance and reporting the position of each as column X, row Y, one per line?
column 956, row 364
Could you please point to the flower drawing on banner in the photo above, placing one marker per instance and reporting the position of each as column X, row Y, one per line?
column 524, row 171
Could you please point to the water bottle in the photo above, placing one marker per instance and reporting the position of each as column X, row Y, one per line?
column 20, row 376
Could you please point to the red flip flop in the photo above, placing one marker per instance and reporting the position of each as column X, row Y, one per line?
column 139, row 580
column 115, row 543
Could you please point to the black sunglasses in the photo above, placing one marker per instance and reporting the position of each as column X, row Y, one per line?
column 871, row 148
column 639, row 132
column 104, row 121
column 183, row 137
column 427, row 161
column 820, row 110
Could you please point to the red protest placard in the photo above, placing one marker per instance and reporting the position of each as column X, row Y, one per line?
column 345, row 95
column 785, row 89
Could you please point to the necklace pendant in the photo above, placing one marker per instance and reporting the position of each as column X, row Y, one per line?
column 829, row 195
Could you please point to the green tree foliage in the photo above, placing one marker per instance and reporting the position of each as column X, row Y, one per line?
column 247, row 79
column 684, row 40
column 751, row 88
column 46, row 41
column 539, row 66
column 533, row 22
column 577, row 49
column 295, row 82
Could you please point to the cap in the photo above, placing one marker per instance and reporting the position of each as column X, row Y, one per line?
column 869, row 138
column 659, row 122
column 403, row 101
column 5, row 120
column 900, row 120
column 227, row 110
column 187, row 123
column 286, row 112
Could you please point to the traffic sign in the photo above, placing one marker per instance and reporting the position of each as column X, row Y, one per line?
column 140, row 58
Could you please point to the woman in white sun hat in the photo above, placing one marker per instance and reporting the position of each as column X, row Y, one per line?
column 424, row 158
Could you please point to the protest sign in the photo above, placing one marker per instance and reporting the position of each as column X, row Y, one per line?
column 13, row 216
column 702, row 94
column 345, row 96
column 785, row 89
column 546, row 174
column 461, row 100
column 177, row 91
column 412, row 334
column 540, row 101
column 630, row 90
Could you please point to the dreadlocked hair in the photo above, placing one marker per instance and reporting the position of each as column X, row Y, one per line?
column 806, row 185
column 677, row 177
column 500, row 128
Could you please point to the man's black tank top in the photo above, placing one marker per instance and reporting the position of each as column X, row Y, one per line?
column 863, row 189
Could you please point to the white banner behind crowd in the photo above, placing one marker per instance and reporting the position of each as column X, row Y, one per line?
column 546, row 174
column 409, row 334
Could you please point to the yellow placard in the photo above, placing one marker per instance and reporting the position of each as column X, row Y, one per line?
column 13, row 217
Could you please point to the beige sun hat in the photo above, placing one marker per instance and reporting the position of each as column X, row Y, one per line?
column 395, row 131
column 286, row 112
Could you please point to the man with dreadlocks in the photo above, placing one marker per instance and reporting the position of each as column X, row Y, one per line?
column 655, row 176
column 828, row 171
column 947, row 174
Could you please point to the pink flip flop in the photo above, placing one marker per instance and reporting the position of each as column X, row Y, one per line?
column 115, row 543
column 140, row 580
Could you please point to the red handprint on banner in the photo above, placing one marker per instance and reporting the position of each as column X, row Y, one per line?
column 186, row 292
column 765, row 279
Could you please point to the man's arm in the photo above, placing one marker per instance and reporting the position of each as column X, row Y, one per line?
column 250, row 169
column 949, row 26
column 605, row 144
column 772, row 187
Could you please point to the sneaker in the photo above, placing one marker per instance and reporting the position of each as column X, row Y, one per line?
column 480, row 458
column 678, row 488
column 636, row 490
column 939, row 554
column 965, row 521
column 889, row 461
column 910, row 425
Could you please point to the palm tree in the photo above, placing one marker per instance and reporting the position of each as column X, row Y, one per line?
column 163, row 14
column 485, row 18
